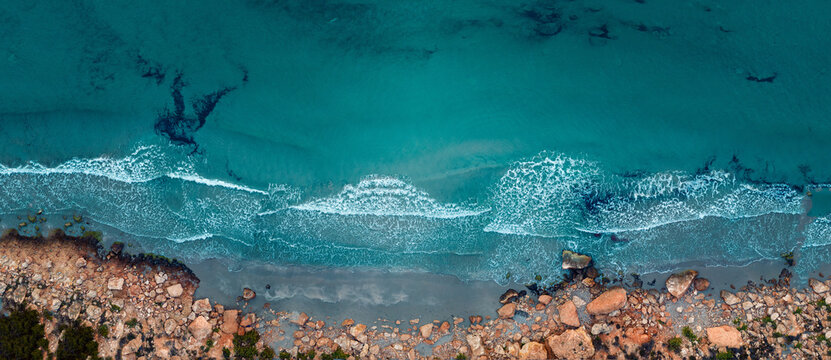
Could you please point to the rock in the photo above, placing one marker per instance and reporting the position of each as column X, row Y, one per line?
column 678, row 283
column 507, row 311
column 573, row 260
column 93, row 312
column 607, row 302
column 115, row 284
column 175, row 290
column 533, row 351
column 818, row 286
column 116, row 248
column 725, row 335
column 508, row 296
column 730, row 298
column 230, row 322
column 568, row 314
column 248, row 320
column 426, row 330
column 545, row 299
column 571, row 344
column 301, row 319
column 170, row 326
column 81, row 262
column 701, row 284
column 160, row 278
column 601, row 328
column 475, row 344
column 248, row 294
column 201, row 306
column 357, row 330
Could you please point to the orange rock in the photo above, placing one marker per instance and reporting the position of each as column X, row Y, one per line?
column 725, row 335
column 507, row 311
column 607, row 302
column 533, row 351
column 571, row 345
column 568, row 314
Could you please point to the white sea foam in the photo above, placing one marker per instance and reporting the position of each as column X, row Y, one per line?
column 543, row 196
column 387, row 196
column 554, row 195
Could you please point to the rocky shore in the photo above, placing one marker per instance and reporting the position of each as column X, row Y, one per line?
column 144, row 308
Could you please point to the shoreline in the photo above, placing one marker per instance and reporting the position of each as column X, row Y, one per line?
column 177, row 321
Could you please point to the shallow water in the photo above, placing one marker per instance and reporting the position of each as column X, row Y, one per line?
column 448, row 137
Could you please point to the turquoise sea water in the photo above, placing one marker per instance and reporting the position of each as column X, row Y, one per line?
column 472, row 138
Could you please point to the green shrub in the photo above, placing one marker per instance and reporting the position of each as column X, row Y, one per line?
column 797, row 311
column 284, row 355
column 307, row 356
column 674, row 344
column 104, row 331
column 245, row 345
column 267, row 354
column 22, row 336
column 115, row 308
column 131, row 323
column 461, row 356
column 226, row 354
column 688, row 333
column 78, row 343
column 97, row 235
column 724, row 355
column 338, row 354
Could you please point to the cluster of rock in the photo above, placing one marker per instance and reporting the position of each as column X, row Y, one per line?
column 146, row 306
column 150, row 311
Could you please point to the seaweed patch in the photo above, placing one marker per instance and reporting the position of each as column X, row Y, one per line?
column 176, row 125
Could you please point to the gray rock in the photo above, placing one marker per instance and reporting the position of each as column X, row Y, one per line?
column 573, row 260
column 730, row 298
column 678, row 283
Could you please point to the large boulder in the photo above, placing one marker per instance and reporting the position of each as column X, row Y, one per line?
column 230, row 321
column 533, row 351
column 818, row 286
column 115, row 283
column 475, row 344
column 507, row 311
column 573, row 260
column 426, row 330
column 701, row 284
column 571, row 345
column 508, row 296
column 607, row 302
column 175, row 290
column 725, row 335
column 568, row 314
column 730, row 298
column 201, row 306
column 678, row 283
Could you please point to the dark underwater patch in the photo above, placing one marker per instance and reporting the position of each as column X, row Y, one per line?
column 176, row 125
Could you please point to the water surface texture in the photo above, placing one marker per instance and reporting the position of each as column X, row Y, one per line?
column 471, row 138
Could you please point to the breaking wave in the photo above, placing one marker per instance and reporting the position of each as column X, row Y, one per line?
column 538, row 207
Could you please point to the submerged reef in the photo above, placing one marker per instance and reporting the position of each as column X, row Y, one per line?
column 179, row 127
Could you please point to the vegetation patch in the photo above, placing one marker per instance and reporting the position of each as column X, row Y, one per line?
column 78, row 343
column 22, row 336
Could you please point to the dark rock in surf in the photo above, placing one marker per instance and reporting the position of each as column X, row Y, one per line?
column 508, row 296
column 573, row 260
column 248, row 294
